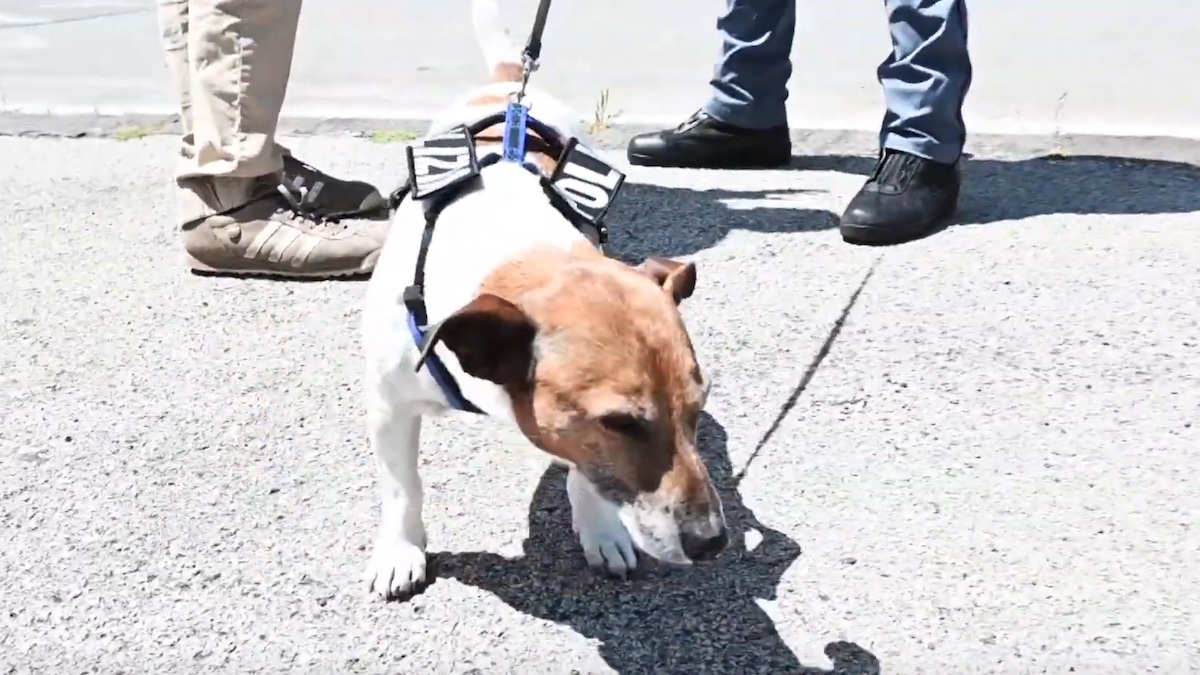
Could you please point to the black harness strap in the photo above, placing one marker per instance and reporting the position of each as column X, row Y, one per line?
column 414, row 300
column 414, row 295
column 533, row 48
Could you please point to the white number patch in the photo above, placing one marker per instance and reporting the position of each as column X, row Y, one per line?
column 589, row 183
column 441, row 161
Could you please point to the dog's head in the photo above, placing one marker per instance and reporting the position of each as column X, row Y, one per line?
column 602, row 374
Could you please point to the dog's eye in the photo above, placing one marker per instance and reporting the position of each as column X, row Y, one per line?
column 626, row 424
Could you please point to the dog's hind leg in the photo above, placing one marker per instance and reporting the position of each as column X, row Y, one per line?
column 397, row 567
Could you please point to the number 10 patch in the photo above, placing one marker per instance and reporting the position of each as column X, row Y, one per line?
column 589, row 183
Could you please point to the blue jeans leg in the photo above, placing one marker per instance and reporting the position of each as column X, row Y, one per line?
column 925, row 79
column 749, row 83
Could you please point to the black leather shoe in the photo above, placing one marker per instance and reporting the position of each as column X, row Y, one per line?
column 904, row 199
column 702, row 142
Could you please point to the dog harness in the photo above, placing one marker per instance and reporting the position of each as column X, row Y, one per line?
column 441, row 167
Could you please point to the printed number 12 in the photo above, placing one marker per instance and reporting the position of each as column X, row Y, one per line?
column 426, row 162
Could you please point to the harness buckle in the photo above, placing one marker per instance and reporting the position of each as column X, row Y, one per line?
column 414, row 300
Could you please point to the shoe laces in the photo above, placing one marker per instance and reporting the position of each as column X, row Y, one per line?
column 695, row 118
column 299, row 171
column 895, row 169
column 300, row 201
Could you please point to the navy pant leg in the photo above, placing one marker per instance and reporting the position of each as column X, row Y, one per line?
column 749, row 83
column 925, row 79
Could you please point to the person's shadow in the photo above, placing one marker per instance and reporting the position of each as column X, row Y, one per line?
column 701, row 619
column 669, row 221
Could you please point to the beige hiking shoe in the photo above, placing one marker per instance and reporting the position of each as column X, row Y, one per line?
column 262, row 227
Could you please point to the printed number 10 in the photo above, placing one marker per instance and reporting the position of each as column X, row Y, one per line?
column 589, row 188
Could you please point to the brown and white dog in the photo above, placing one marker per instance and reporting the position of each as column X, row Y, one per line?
column 587, row 356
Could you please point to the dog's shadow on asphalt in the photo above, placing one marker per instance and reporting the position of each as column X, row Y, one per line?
column 701, row 619
column 669, row 221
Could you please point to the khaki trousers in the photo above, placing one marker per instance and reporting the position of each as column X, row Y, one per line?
column 230, row 61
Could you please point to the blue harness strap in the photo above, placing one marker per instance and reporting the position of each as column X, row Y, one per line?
column 437, row 370
column 515, row 131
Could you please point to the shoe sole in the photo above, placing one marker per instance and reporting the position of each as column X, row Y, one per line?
column 872, row 235
column 203, row 269
column 638, row 159
column 382, row 211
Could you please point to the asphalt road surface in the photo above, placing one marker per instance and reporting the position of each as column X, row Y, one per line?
column 982, row 462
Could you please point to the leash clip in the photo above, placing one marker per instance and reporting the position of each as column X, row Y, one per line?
column 533, row 48
column 529, row 64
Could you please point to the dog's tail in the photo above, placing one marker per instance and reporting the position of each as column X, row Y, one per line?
column 501, row 53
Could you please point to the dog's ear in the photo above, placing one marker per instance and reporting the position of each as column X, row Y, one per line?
column 492, row 338
column 676, row 278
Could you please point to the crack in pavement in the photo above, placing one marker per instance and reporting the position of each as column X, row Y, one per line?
column 809, row 372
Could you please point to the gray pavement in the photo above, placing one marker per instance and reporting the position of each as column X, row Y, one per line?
column 1108, row 67
column 982, row 463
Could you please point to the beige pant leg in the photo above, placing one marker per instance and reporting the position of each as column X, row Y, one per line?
column 239, row 60
column 173, row 22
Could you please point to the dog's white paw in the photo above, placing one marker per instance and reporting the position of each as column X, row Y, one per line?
column 396, row 570
column 607, row 545
column 609, row 549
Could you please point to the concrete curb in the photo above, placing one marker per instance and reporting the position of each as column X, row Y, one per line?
column 809, row 142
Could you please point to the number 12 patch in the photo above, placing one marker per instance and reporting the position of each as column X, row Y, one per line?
column 589, row 183
column 442, row 161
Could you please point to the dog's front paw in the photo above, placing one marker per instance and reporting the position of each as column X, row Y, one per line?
column 606, row 544
column 396, row 571
column 607, row 547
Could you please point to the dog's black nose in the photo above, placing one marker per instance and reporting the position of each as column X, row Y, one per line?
column 700, row 548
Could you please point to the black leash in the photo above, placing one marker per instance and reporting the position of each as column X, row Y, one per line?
column 533, row 48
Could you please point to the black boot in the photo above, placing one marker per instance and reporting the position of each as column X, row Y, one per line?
column 702, row 142
column 904, row 199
